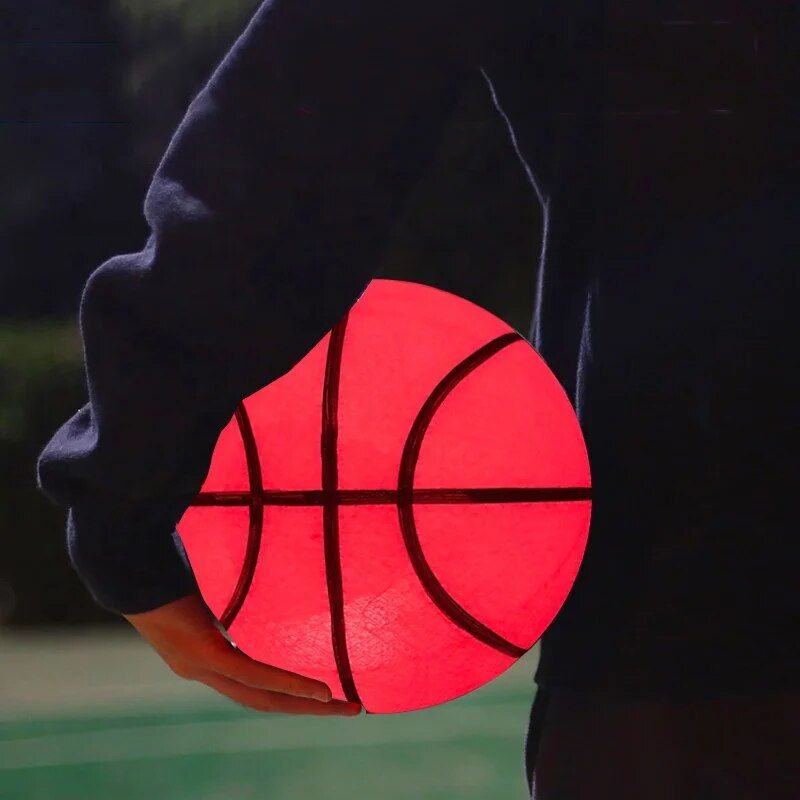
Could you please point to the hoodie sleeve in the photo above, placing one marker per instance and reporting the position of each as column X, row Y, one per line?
column 267, row 215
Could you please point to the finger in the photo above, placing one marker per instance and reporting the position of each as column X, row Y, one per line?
column 234, row 664
column 274, row 702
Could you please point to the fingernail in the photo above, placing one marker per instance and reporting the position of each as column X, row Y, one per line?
column 324, row 695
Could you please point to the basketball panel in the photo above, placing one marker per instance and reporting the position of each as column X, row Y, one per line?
column 286, row 417
column 510, row 565
column 285, row 618
column 508, row 423
column 215, row 539
column 405, row 654
column 401, row 339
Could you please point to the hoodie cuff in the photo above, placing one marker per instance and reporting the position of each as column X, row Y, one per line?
column 129, row 564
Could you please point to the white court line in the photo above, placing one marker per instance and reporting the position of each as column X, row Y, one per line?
column 497, row 721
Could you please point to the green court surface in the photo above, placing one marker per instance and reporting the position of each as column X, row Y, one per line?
column 95, row 715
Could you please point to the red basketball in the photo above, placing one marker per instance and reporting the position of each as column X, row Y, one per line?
column 403, row 513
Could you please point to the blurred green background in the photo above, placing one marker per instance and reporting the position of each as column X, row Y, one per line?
column 92, row 92
column 93, row 714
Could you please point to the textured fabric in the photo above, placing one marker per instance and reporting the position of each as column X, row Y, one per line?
column 659, row 138
column 600, row 746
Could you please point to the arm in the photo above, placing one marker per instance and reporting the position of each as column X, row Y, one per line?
column 267, row 215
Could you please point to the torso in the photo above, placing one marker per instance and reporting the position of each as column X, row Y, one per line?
column 660, row 138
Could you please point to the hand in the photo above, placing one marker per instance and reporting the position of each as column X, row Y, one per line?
column 187, row 636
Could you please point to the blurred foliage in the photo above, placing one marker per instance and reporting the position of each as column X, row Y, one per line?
column 91, row 93
column 41, row 384
column 173, row 46
column 66, row 198
column 45, row 163
column 193, row 19
column 39, row 361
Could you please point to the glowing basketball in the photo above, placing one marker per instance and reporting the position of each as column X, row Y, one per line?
column 403, row 513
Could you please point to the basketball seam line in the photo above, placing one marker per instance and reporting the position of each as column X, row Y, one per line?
column 420, row 496
column 444, row 601
column 330, row 508
column 256, row 509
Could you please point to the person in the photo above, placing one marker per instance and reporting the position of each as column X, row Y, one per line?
column 660, row 141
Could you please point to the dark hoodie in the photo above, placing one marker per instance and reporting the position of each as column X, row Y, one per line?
column 660, row 141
